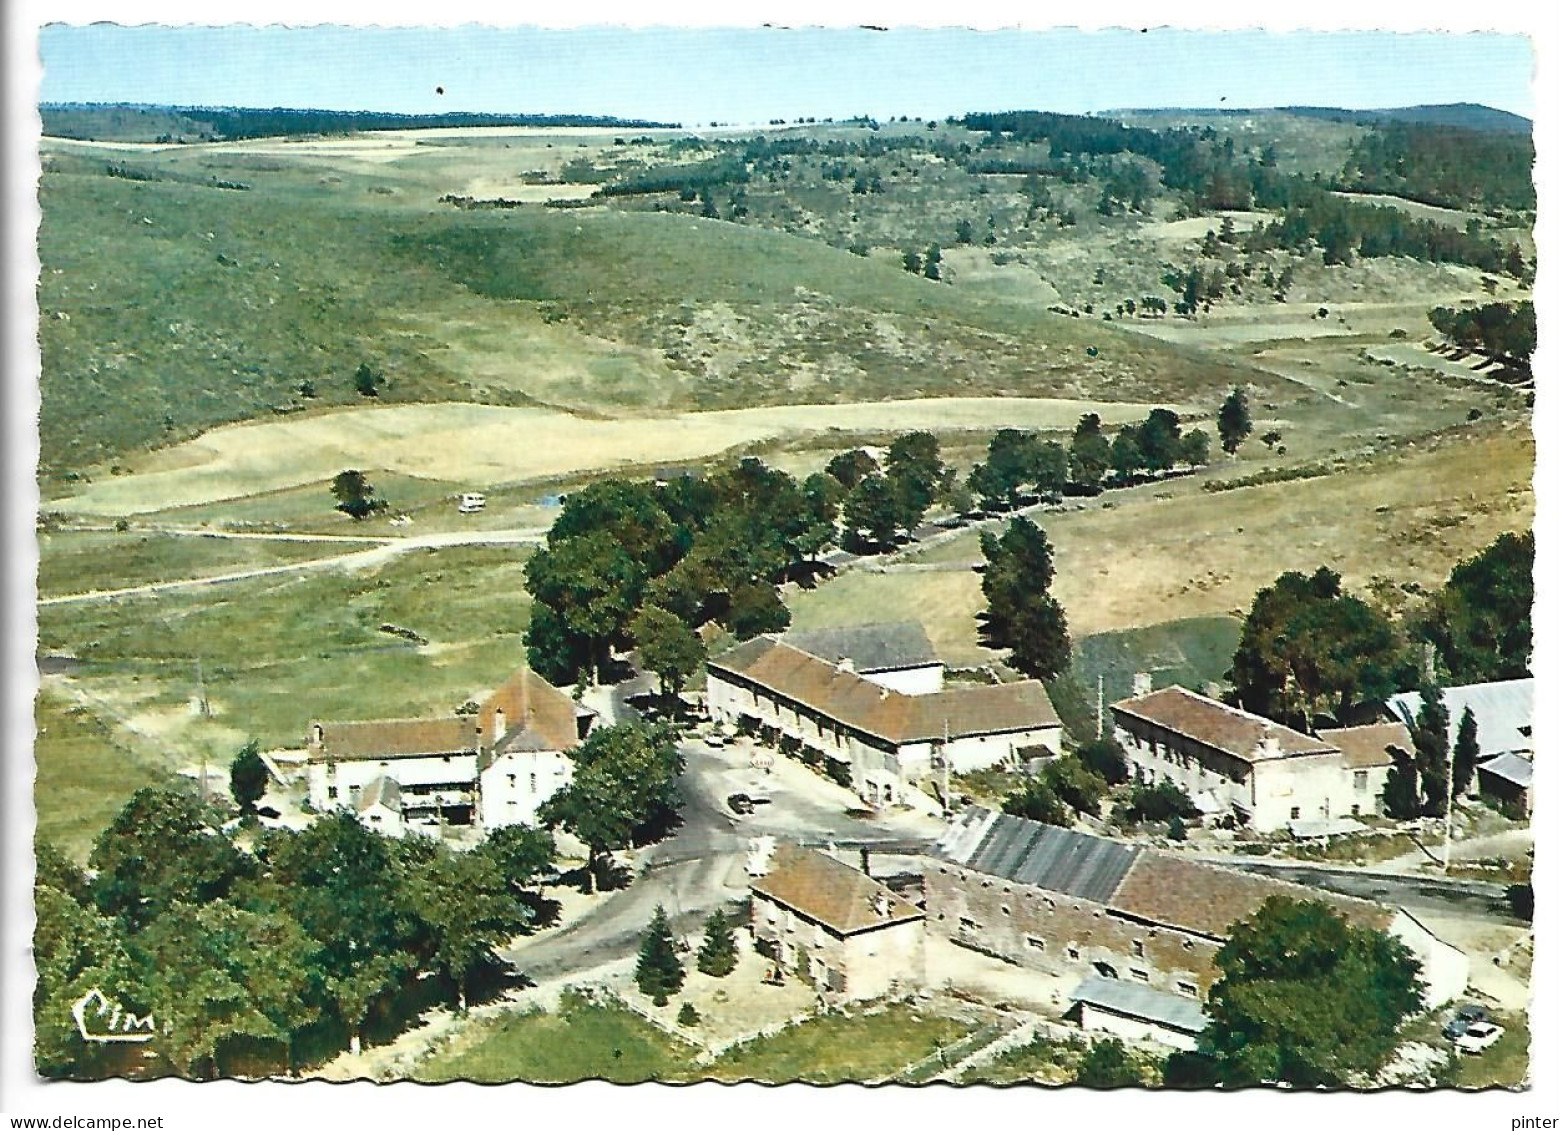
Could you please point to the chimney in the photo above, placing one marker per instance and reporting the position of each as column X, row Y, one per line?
column 1269, row 745
column 865, row 859
column 1142, row 683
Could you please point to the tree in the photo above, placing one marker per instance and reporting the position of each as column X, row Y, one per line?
column 1127, row 457
column 912, row 261
column 1401, row 793
column 467, row 908
column 1091, row 453
column 1306, row 998
column 1020, row 612
column 1159, row 438
column 1037, row 801
column 933, row 268
column 659, row 972
column 668, row 647
column 871, row 515
column 1105, row 757
column 850, row 467
column 718, row 957
column 755, row 608
column 1467, row 752
column 356, row 497
column 1157, row 802
column 1108, row 1064
column 1430, row 735
column 1194, row 448
column 1235, row 421
column 1307, row 647
column 914, row 469
column 368, row 381
column 1074, row 783
column 160, row 849
column 520, row 854
column 248, row 776
column 1480, row 620
column 625, row 782
column 593, row 587
column 74, row 951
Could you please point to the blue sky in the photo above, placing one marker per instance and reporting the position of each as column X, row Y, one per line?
column 750, row 75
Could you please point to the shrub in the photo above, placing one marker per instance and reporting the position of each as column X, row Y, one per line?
column 688, row 1014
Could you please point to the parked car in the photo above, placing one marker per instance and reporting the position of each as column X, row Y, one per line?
column 714, row 739
column 740, row 803
column 267, row 811
column 1480, row 1036
column 1464, row 1017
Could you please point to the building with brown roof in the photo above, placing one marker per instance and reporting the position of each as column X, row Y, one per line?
column 1073, row 904
column 1234, row 762
column 493, row 768
column 839, row 928
column 885, row 739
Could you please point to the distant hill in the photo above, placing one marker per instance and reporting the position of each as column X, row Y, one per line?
column 1461, row 115
column 125, row 122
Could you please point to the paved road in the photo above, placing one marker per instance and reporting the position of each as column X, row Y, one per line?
column 1417, row 893
column 702, row 865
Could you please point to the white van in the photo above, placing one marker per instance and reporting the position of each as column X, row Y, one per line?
column 470, row 503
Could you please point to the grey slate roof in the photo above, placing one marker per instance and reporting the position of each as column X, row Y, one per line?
column 870, row 647
column 1501, row 710
column 1511, row 768
column 382, row 790
column 1129, row 999
column 1044, row 856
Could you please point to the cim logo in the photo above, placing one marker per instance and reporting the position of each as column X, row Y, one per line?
column 122, row 1025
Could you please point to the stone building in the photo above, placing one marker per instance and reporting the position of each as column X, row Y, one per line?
column 871, row 700
column 491, row 768
column 848, row 934
column 1234, row 762
column 1072, row 904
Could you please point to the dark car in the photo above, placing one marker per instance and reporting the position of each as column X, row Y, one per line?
column 1464, row 1017
column 740, row 803
column 268, row 811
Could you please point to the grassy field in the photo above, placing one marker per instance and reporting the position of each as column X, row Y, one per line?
column 484, row 445
column 835, row 1048
column 1191, row 652
column 85, row 773
column 279, row 651
column 76, row 561
column 582, row 1041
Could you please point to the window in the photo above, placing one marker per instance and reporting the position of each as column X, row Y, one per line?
column 1006, row 910
column 1186, row 944
column 1295, row 812
column 1050, row 905
column 1072, row 952
column 968, row 924
column 1034, row 943
column 533, row 783
column 332, row 792
column 1137, row 948
column 1361, row 781
column 1188, row 988
column 1140, row 975
column 1355, row 810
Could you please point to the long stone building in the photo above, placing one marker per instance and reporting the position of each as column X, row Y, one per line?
column 1077, row 905
column 873, row 700
column 1234, row 762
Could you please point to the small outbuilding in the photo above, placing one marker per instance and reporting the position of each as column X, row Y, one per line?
column 1139, row 1013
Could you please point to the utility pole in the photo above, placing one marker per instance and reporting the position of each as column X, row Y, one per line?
column 1448, row 816
column 1099, row 708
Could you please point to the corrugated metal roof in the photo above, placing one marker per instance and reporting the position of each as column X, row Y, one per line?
column 1142, row 1003
column 1511, row 768
column 870, row 647
column 1503, row 712
column 1043, row 856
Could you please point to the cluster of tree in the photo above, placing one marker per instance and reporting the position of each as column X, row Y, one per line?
column 1156, row 445
column 1447, row 166
column 1063, row 787
column 87, row 120
column 1304, row 998
column 1021, row 615
column 700, row 548
column 1308, row 649
column 1423, row 782
column 1503, row 331
column 688, row 180
column 929, row 266
column 1479, row 622
column 638, row 563
column 1159, row 802
column 623, row 789
column 296, row 940
column 660, row 974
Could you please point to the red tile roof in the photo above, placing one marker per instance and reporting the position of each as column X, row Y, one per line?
column 856, row 702
column 841, row 898
column 1366, row 747
column 1238, row 733
column 395, row 738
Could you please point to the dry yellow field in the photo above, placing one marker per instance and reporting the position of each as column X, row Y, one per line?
column 484, row 445
column 1147, row 559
